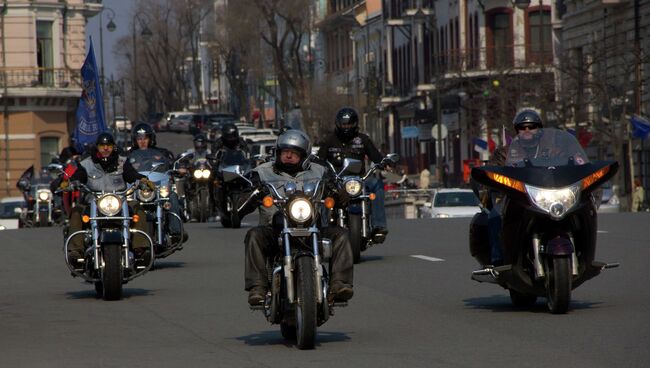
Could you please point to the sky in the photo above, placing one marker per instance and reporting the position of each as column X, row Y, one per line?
column 123, row 17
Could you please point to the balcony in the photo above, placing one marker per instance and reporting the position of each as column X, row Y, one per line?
column 40, row 78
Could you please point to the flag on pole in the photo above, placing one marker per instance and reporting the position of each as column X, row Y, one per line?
column 90, row 112
column 640, row 127
column 480, row 145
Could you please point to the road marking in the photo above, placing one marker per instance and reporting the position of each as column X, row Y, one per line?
column 603, row 231
column 430, row 259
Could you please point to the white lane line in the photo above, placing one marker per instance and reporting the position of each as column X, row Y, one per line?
column 603, row 231
column 430, row 259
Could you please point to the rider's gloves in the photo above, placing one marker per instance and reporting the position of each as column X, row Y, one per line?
column 64, row 184
column 144, row 182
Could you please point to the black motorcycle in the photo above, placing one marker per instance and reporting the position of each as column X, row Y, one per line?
column 357, row 215
column 108, row 260
column 233, row 166
column 549, row 221
column 198, row 187
column 298, row 276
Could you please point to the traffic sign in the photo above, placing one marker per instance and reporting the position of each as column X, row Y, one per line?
column 443, row 131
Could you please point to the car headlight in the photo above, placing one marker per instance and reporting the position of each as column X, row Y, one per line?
column 164, row 191
column 109, row 205
column 555, row 202
column 146, row 195
column 44, row 195
column 353, row 187
column 300, row 210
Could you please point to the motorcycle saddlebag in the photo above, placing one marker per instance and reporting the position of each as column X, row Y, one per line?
column 479, row 243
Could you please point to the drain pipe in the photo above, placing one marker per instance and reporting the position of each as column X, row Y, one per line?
column 5, row 95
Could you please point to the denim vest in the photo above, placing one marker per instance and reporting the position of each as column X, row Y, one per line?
column 100, row 181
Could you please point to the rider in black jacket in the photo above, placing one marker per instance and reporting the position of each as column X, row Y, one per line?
column 347, row 142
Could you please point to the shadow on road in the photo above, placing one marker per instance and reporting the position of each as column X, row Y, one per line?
column 91, row 294
column 365, row 259
column 502, row 303
column 161, row 265
column 275, row 338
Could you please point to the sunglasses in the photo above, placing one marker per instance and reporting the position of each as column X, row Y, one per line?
column 527, row 127
column 105, row 145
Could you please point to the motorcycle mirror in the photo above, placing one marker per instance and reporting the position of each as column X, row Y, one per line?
column 393, row 157
column 309, row 189
column 55, row 167
column 18, row 210
column 290, row 188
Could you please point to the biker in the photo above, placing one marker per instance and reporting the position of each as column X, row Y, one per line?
column 527, row 124
column 144, row 138
column 291, row 164
column 348, row 142
column 200, row 149
column 230, row 139
column 106, row 170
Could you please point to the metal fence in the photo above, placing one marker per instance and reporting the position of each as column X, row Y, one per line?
column 40, row 78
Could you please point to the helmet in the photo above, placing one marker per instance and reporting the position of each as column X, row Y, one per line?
column 105, row 138
column 295, row 140
column 230, row 135
column 143, row 129
column 527, row 116
column 347, row 123
column 200, row 142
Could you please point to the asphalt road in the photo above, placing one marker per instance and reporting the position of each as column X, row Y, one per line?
column 407, row 311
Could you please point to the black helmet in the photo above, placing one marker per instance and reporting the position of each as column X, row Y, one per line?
column 200, row 142
column 295, row 140
column 230, row 135
column 105, row 138
column 140, row 130
column 527, row 116
column 347, row 123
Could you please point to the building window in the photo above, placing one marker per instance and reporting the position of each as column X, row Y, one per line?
column 44, row 53
column 49, row 150
column 539, row 36
column 500, row 50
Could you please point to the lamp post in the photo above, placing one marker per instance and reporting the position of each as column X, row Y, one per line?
column 110, row 27
column 146, row 32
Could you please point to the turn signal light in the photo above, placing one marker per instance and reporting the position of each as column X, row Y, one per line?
column 135, row 218
column 372, row 196
column 267, row 201
column 589, row 180
column 509, row 182
column 85, row 219
column 329, row 203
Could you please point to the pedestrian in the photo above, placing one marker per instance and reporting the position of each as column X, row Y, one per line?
column 425, row 178
column 445, row 174
column 638, row 196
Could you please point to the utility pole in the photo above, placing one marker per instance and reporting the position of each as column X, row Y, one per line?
column 5, row 96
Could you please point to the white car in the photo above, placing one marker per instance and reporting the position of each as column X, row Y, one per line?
column 11, row 209
column 451, row 202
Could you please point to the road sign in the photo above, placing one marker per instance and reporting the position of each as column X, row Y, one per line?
column 410, row 132
column 443, row 130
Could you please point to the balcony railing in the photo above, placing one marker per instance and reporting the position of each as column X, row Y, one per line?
column 39, row 78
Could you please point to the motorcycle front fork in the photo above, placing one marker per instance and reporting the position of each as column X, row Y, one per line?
column 537, row 261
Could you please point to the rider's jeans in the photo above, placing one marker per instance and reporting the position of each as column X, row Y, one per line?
column 262, row 243
column 376, row 185
column 174, row 223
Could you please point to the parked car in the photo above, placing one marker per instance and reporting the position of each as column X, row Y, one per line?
column 181, row 123
column 163, row 124
column 609, row 202
column 451, row 202
column 122, row 124
column 11, row 209
column 256, row 134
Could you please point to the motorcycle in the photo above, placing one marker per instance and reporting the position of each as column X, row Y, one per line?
column 199, row 201
column 357, row 215
column 108, row 261
column 298, row 277
column 233, row 165
column 549, row 220
column 157, row 203
column 41, row 214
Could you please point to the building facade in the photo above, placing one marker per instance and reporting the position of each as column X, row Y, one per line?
column 43, row 46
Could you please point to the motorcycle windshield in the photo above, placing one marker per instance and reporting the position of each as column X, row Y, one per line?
column 234, row 158
column 144, row 161
column 545, row 148
column 156, row 177
column 201, row 163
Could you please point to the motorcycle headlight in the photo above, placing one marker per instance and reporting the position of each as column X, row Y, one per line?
column 353, row 187
column 300, row 210
column 555, row 202
column 198, row 174
column 44, row 195
column 201, row 173
column 164, row 191
column 146, row 195
column 109, row 205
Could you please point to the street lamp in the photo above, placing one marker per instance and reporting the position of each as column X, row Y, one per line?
column 110, row 27
column 146, row 32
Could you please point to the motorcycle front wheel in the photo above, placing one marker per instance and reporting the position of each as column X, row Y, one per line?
column 42, row 220
column 112, row 272
column 558, row 284
column 306, row 305
column 203, row 205
column 356, row 236
column 235, row 220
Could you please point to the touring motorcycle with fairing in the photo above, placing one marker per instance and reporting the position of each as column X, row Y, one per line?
column 232, row 185
column 549, row 219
